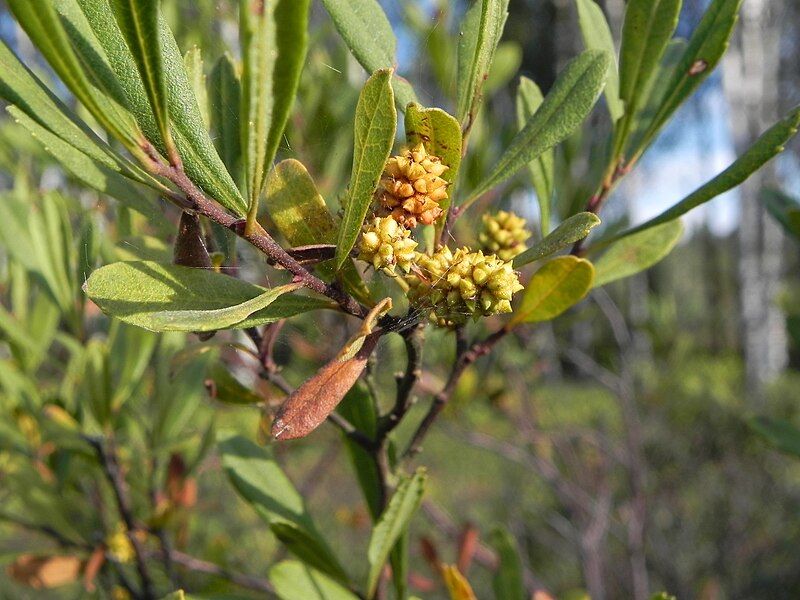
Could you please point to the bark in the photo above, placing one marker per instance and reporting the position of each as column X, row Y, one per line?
column 751, row 82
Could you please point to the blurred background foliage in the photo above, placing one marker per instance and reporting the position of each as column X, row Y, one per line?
column 614, row 444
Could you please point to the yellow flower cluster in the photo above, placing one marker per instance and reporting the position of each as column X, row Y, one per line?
column 504, row 234
column 453, row 286
column 412, row 189
column 385, row 244
column 462, row 284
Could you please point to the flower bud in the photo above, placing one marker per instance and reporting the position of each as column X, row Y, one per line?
column 503, row 234
column 460, row 285
column 384, row 244
column 411, row 188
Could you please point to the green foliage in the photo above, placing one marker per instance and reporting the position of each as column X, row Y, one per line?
column 261, row 482
column 558, row 285
column 597, row 36
column 637, row 252
column 576, row 228
column 785, row 209
column 293, row 579
column 480, row 33
column 770, row 144
column 163, row 297
column 367, row 32
column 561, row 113
column 542, row 168
column 138, row 22
column 375, row 127
column 392, row 523
column 508, row 581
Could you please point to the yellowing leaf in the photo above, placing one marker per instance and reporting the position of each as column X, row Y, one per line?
column 457, row 584
column 558, row 285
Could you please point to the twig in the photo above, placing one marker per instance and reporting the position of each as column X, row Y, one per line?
column 404, row 399
column 258, row 237
column 110, row 466
column 465, row 356
column 201, row 566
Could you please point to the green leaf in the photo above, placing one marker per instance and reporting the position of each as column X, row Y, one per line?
column 637, row 252
column 779, row 433
column 770, row 144
column 138, row 22
column 359, row 409
column 91, row 172
column 652, row 99
column 558, row 285
column 441, row 134
column 597, row 36
column 562, row 112
column 301, row 215
column 163, row 297
column 542, row 168
column 45, row 29
column 291, row 19
column 296, row 207
column 375, row 127
column 480, row 33
column 785, row 209
column 708, row 44
column 570, row 231
column 23, row 89
column 367, row 32
column 261, row 482
column 226, row 98
column 226, row 388
column 646, row 31
column 293, row 580
column 200, row 158
column 393, row 523
column 505, row 66
column 508, row 581
column 195, row 69
column 257, row 32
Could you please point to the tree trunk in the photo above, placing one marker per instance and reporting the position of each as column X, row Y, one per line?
column 751, row 83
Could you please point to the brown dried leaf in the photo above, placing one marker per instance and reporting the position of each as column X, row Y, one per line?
column 93, row 566
column 310, row 404
column 190, row 248
column 43, row 572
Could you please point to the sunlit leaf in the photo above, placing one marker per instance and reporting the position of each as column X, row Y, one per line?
column 294, row 580
column 138, row 22
column 165, row 297
column 570, row 231
column 597, row 35
column 708, row 44
column 562, row 112
column 480, row 33
column 375, row 127
column 558, row 285
column 637, row 252
column 542, row 168
column 770, row 144
column 367, row 32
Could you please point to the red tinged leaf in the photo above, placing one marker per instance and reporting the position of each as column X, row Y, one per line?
column 467, row 545
column 92, row 568
column 308, row 406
